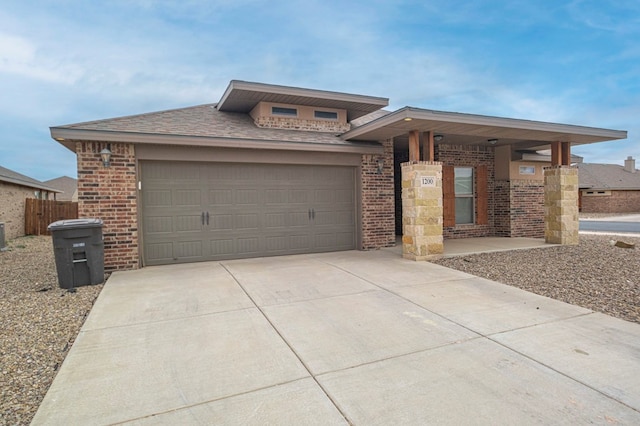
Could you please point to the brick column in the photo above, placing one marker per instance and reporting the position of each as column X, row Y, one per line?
column 110, row 193
column 561, row 205
column 422, row 209
column 378, row 204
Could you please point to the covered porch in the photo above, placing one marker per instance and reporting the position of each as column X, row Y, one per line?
column 465, row 176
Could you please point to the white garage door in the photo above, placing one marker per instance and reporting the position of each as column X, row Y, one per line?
column 212, row 211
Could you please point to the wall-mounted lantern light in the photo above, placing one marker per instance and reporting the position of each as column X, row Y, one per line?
column 105, row 155
column 380, row 164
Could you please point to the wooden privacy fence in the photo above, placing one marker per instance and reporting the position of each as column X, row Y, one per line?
column 38, row 214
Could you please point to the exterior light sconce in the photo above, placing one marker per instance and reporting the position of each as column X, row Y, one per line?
column 492, row 141
column 438, row 138
column 380, row 165
column 105, row 155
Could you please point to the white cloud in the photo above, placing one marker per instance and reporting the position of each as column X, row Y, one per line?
column 20, row 56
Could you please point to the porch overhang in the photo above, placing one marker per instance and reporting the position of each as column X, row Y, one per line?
column 472, row 129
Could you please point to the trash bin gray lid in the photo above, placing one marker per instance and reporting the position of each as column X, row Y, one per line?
column 75, row 223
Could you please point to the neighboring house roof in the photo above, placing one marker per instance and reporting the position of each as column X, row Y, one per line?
column 607, row 177
column 200, row 125
column 66, row 184
column 16, row 178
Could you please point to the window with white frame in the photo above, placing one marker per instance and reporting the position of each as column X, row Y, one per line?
column 464, row 195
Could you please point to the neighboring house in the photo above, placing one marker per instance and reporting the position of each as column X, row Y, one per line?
column 14, row 189
column 68, row 186
column 273, row 170
column 609, row 188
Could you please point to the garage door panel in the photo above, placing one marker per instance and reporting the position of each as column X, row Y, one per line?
column 246, row 197
column 158, row 225
column 159, row 252
column 187, row 197
column 221, row 222
column 221, row 197
column 248, row 246
column 276, row 220
column 188, row 249
column 157, row 198
column 254, row 210
column 299, row 196
column 191, row 223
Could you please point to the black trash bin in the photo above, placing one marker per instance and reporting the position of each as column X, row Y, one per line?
column 79, row 251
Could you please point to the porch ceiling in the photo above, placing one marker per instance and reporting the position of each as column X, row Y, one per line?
column 470, row 129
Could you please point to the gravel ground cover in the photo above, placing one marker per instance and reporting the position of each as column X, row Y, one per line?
column 593, row 274
column 39, row 324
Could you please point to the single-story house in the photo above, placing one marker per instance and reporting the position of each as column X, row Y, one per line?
column 68, row 186
column 273, row 170
column 609, row 188
column 15, row 188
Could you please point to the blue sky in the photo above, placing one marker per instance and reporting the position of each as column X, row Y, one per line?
column 63, row 62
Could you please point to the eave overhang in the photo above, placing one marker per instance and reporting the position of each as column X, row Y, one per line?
column 68, row 137
column 243, row 96
column 477, row 129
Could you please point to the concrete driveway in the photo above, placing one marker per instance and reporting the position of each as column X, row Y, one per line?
column 354, row 337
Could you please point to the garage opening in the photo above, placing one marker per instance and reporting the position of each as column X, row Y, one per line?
column 215, row 211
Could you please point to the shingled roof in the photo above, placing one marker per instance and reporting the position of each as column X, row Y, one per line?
column 16, row 178
column 201, row 121
column 607, row 177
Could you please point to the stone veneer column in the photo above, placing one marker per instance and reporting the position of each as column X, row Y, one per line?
column 421, row 209
column 561, row 205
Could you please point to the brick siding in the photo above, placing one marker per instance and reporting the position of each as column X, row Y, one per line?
column 617, row 202
column 378, row 227
column 110, row 193
column 471, row 156
column 519, row 209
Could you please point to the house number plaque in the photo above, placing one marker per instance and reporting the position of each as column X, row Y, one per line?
column 428, row 181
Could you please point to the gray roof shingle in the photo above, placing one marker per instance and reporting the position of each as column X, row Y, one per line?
column 7, row 175
column 607, row 177
column 204, row 121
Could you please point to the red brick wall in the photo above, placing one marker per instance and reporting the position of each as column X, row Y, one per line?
column 617, row 202
column 519, row 210
column 110, row 193
column 378, row 228
column 527, row 208
column 470, row 156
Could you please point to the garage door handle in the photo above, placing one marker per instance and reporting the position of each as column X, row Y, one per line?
column 202, row 218
column 309, row 214
column 207, row 218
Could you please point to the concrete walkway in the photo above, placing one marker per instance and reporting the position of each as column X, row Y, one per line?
column 360, row 338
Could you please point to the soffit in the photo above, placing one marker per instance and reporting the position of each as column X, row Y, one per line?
column 243, row 96
column 472, row 129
